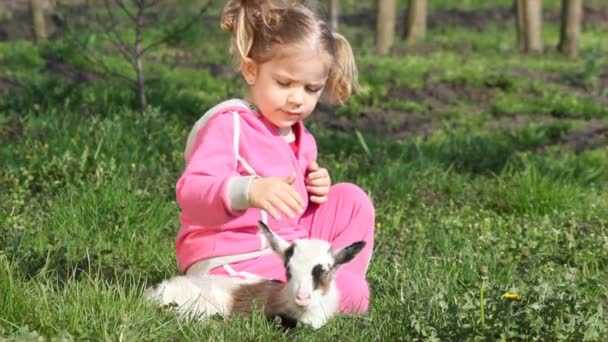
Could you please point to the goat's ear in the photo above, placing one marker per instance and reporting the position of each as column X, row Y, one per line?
column 276, row 242
column 348, row 253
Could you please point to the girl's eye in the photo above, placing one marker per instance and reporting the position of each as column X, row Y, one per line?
column 283, row 84
column 313, row 90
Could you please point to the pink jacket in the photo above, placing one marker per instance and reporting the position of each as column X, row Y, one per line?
column 233, row 139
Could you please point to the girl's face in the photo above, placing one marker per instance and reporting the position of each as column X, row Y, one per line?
column 286, row 88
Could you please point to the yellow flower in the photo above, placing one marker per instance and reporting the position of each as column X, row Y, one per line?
column 511, row 296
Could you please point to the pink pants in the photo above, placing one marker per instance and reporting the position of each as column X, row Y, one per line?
column 347, row 216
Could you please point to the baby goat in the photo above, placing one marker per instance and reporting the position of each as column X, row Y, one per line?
column 309, row 296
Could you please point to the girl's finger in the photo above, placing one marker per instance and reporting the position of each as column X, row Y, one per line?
column 295, row 195
column 295, row 204
column 318, row 190
column 313, row 166
column 293, row 200
column 321, row 173
column 318, row 199
column 280, row 204
column 319, row 182
column 269, row 208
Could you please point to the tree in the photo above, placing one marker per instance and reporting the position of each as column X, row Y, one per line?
column 416, row 20
column 135, row 11
column 334, row 14
column 314, row 4
column 571, row 20
column 529, row 25
column 520, row 24
column 2, row 11
column 385, row 25
column 38, row 22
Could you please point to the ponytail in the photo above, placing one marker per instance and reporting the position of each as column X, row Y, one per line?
column 342, row 81
column 250, row 20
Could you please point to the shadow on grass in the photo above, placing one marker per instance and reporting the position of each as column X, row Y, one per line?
column 475, row 152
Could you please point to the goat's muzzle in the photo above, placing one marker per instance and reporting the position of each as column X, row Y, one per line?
column 303, row 298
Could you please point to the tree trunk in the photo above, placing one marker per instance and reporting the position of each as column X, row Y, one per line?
column 385, row 25
column 313, row 4
column 572, row 17
column 416, row 20
column 38, row 24
column 533, row 21
column 139, row 68
column 520, row 24
column 2, row 11
column 334, row 14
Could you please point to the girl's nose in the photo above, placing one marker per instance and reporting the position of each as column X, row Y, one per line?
column 296, row 97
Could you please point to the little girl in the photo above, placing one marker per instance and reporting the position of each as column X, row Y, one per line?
column 252, row 159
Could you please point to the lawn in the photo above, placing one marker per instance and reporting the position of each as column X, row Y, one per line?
column 488, row 170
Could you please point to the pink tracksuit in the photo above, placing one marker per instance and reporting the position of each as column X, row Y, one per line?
column 231, row 142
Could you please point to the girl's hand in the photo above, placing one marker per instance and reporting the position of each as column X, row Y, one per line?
column 274, row 194
column 317, row 183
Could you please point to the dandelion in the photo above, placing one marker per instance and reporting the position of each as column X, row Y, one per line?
column 511, row 296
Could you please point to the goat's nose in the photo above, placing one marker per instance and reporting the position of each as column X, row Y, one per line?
column 303, row 295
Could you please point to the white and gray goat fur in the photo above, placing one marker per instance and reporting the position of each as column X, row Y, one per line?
column 309, row 296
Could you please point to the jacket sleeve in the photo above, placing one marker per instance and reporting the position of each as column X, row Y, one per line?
column 201, row 191
column 309, row 150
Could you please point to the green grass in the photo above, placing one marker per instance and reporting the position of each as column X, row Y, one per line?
column 478, row 208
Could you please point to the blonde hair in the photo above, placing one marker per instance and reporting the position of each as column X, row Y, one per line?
column 259, row 25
